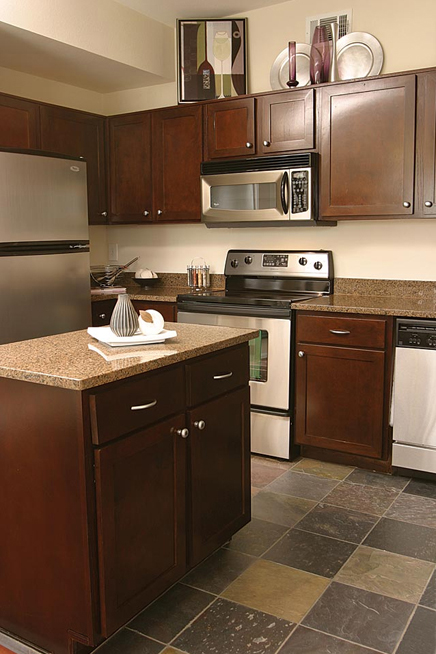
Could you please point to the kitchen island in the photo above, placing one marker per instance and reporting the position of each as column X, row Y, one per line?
column 118, row 475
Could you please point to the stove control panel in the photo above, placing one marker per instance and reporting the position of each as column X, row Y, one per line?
column 280, row 263
column 418, row 334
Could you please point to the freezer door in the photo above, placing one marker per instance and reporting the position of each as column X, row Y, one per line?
column 43, row 294
column 42, row 198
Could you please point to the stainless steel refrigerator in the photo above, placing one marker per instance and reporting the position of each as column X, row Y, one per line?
column 44, row 246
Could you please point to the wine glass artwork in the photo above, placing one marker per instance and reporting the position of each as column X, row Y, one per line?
column 292, row 57
column 320, row 56
column 222, row 51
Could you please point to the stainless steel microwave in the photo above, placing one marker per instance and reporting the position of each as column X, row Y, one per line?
column 262, row 191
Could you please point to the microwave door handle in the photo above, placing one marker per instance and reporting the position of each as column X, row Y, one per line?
column 283, row 188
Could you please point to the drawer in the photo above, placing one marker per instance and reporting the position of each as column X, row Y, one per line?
column 167, row 309
column 137, row 403
column 217, row 374
column 338, row 330
column 101, row 312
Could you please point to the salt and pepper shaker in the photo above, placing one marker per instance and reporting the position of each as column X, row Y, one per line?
column 198, row 275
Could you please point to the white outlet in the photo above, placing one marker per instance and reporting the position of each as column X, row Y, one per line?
column 113, row 252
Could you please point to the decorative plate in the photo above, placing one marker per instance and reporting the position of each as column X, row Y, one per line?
column 359, row 55
column 280, row 69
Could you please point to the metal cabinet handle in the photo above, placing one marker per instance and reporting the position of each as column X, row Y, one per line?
column 301, row 354
column 340, row 332
column 143, row 406
column 184, row 433
column 159, row 212
column 428, row 203
column 200, row 424
column 248, row 144
column 103, row 213
column 225, row 376
column 406, row 204
column 267, row 143
column 102, row 316
column 145, row 213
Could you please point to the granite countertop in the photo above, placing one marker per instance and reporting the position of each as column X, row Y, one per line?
column 411, row 307
column 64, row 360
column 159, row 294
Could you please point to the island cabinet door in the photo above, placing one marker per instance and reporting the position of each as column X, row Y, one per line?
column 220, row 471
column 340, row 399
column 368, row 148
column 141, row 494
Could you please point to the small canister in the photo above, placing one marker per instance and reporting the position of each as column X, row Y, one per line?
column 198, row 274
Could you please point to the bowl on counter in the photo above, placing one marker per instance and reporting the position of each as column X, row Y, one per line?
column 146, row 282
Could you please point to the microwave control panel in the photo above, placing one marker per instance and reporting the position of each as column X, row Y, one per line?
column 299, row 191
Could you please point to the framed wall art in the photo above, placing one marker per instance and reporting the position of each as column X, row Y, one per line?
column 211, row 58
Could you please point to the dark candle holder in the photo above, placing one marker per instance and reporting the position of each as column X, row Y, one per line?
column 292, row 55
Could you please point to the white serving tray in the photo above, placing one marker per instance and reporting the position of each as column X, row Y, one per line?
column 106, row 335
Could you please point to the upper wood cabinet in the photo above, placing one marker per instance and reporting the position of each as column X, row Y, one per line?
column 79, row 134
column 130, row 181
column 285, row 121
column 177, row 154
column 229, row 129
column 19, row 123
column 426, row 145
column 368, row 148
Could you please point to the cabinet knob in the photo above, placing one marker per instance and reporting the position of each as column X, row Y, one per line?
column 428, row 203
column 184, row 433
column 406, row 204
column 200, row 424
column 248, row 144
column 267, row 143
column 159, row 212
column 301, row 354
column 102, row 316
column 103, row 213
column 145, row 213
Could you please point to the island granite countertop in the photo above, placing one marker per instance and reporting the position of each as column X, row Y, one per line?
column 66, row 361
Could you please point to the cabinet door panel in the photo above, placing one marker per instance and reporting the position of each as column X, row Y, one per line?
column 220, row 471
column 426, row 144
column 130, row 168
column 79, row 135
column 177, row 154
column 167, row 309
column 19, row 123
column 230, row 129
column 286, row 121
column 101, row 312
column 367, row 148
column 340, row 399
column 141, row 519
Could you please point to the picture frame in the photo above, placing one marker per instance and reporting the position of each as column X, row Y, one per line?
column 211, row 58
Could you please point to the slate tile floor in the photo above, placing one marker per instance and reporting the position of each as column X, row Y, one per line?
column 335, row 561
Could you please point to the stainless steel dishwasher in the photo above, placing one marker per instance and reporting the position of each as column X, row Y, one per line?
column 414, row 395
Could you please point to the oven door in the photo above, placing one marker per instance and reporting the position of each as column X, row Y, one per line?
column 270, row 354
column 245, row 197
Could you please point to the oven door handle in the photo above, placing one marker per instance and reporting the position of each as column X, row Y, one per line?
column 284, row 186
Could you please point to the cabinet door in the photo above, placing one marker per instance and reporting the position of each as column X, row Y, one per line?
column 230, row 129
column 130, row 168
column 79, row 135
column 286, row 121
column 19, row 123
column 177, row 153
column 167, row 309
column 101, row 312
column 367, row 148
column 220, row 471
column 340, row 399
column 141, row 490
column 426, row 145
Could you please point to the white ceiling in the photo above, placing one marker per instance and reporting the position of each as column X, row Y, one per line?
column 167, row 11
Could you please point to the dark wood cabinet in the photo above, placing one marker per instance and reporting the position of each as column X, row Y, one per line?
column 101, row 311
column 19, row 123
column 368, row 148
column 342, row 380
column 177, row 154
column 79, row 134
column 141, row 515
column 167, row 309
column 286, row 121
column 426, row 145
column 130, row 180
column 230, row 128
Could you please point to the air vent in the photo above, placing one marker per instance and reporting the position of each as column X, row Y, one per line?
column 342, row 18
column 282, row 162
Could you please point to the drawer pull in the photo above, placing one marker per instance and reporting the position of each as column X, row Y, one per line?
column 143, row 406
column 200, row 424
column 340, row 332
column 225, row 376
column 184, row 433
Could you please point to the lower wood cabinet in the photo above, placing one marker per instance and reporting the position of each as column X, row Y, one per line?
column 167, row 309
column 343, row 376
column 101, row 311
